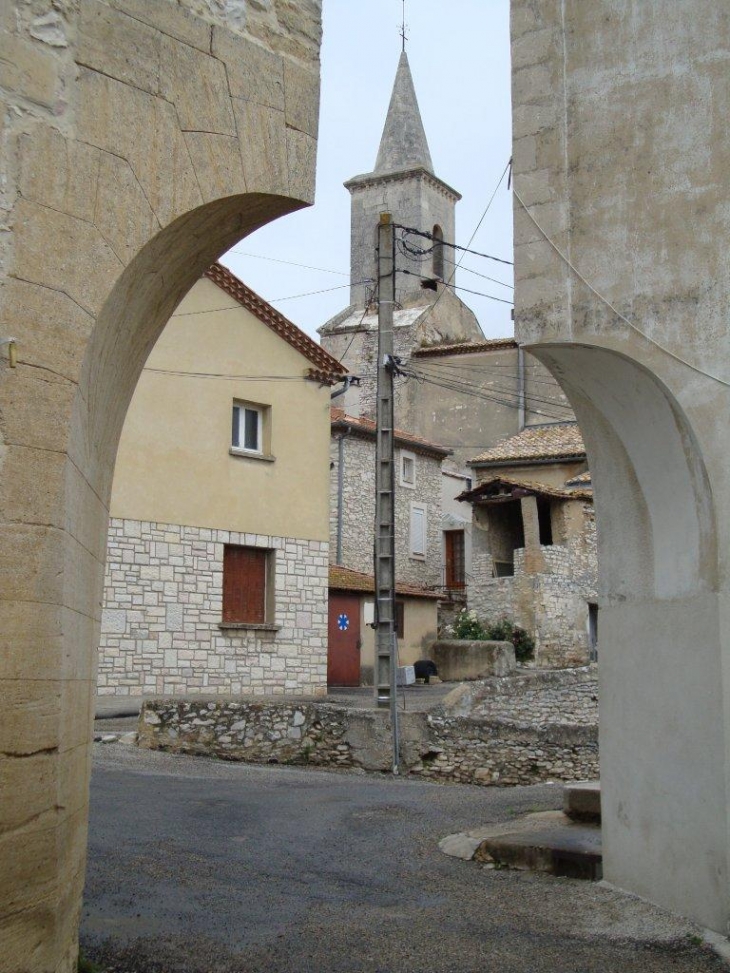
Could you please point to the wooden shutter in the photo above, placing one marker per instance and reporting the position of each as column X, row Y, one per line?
column 244, row 584
column 418, row 530
column 455, row 561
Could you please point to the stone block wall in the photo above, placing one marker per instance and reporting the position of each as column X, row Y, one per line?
column 163, row 608
column 359, row 512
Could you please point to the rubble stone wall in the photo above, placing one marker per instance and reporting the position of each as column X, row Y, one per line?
column 162, row 613
column 359, row 512
column 567, row 696
column 439, row 746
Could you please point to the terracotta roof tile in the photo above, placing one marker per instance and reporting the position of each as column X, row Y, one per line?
column 465, row 348
column 559, row 440
column 582, row 479
column 326, row 368
column 366, row 427
column 345, row 579
column 504, row 488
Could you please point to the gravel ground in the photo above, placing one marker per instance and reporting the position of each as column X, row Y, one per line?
column 199, row 866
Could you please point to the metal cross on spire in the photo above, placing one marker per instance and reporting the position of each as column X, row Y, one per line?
column 404, row 26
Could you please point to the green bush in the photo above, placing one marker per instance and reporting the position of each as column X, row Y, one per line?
column 468, row 627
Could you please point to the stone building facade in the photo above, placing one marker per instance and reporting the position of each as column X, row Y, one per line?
column 418, row 501
column 534, row 555
column 161, row 625
column 219, row 491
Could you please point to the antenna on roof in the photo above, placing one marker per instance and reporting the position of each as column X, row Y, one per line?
column 404, row 27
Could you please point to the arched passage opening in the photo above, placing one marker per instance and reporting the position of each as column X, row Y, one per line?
column 660, row 668
column 131, row 319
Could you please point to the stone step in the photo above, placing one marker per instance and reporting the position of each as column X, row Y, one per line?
column 582, row 800
column 573, row 851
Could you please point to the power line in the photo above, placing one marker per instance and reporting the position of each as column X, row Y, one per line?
column 622, row 317
column 480, row 393
column 486, row 277
column 324, row 290
column 531, row 399
column 412, row 230
column 290, row 263
column 455, row 287
column 456, row 369
column 471, row 240
column 248, row 378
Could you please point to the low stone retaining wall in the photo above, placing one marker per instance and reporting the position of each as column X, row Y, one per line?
column 498, row 753
column 532, row 698
column 458, row 659
column 438, row 745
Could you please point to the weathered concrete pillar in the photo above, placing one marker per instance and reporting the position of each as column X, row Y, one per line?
column 140, row 140
column 534, row 561
column 622, row 289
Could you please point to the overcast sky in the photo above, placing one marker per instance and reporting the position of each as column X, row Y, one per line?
column 459, row 56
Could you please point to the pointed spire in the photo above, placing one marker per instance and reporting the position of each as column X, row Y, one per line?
column 403, row 144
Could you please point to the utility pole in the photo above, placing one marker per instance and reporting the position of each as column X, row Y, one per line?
column 385, row 642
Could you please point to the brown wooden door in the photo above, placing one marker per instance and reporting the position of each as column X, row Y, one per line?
column 343, row 648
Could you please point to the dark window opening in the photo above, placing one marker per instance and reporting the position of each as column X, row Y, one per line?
column 592, row 631
column 438, row 253
column 400, row 617
column 455, row 566
column 545, row 523
column 506, row 535
column 245, row 584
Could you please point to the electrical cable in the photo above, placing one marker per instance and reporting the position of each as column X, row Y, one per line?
column 447, row 243
column 456, row 287
column 479, row 394
column 459, row 382
column 604, row 300
column 247, row 378
column 290, row 263
column 471, row 240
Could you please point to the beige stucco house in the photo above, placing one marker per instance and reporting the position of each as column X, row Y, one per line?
column 216, row 576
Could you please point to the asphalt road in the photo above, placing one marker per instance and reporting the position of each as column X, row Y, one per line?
column 199, row 865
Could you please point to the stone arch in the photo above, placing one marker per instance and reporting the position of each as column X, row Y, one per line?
column 648, row 465
column 136, row 148
column 662, row 731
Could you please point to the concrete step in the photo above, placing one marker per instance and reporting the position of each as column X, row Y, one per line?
column 571, row 850
column 582, row 800
column 545, row 841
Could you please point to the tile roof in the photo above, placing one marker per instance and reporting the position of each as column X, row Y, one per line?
column 501, row 488
column 326, row 368
column 465, row 348
column 582, row 479
column 366, row 427
column 345, row 579
column 554, row 441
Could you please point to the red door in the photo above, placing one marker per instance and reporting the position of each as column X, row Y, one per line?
column 343, row 648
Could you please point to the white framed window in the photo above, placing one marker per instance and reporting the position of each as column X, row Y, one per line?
column 418, row 530
column 407, row 469
column 247, row 428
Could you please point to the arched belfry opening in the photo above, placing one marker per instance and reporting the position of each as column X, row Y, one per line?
column 437, row 265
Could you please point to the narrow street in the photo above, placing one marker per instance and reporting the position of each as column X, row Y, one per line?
column 202, row 866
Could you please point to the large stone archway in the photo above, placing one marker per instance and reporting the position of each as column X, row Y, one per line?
column 622, row 289
column 140, row 140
